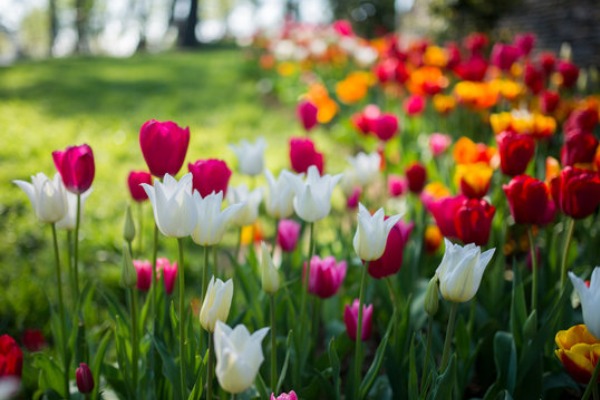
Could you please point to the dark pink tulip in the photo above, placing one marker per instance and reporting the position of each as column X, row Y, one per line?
column 569, row 73
column 504, row 56
column 354, row 198
column 351, row 320
column 164, row 146
column 391, row 260
column 549, row 101
column 343, row 27
column 385, row 126
column 476, row 42
column 584, row 119
column 303, row 154
column 209, row 176
column 84, row 379
column 76, row 167
column 525, row 43
column 326, row 276
column 144, row 274
column 34, row 340
column 443, row 212
column 534, row 78
column 473, row 69
column 307, row 114
column 168, row 272
column 397, row 185
column 548, row 62
column 288, row 232
column 134, row 180
column 414, row 105
column 416, row 175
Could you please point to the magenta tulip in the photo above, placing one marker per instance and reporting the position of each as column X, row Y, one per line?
column 84, row 379
column 288, row 232
column 391, row 260
column 210, row 176
column 351, row 320
column 76, row 167
column 307, row 114
column 144, row 274
column 134, row 180
column 164, row 146
column 326, row 276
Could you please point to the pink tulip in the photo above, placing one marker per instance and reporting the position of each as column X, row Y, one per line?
column 307, row 114
column 385, row 126
column 209, row 176
column 414, row 105
column 354, row 198
column 303, row 154
column 76, row 167
column 525, row 43
column 134, row 180
column 569, row 73
column 169, row 273
column 443, row 212
column 504, row 56
column 288, row 232
column 397, row 185
column 351, row 320
column 144, row 274
column 84, row 379
column 439, row 143
column 285, row 396
column 326, row 276
column 164, row 146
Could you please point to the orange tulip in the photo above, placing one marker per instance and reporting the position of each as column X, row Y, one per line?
column 476, row 95
column 443, row 104
column 468, row 152
column 578, row 351
column 354, row 88
column 473, row 179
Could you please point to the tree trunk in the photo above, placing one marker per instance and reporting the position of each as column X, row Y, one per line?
column 80, row 26
column 187, row 29
column 53, row 27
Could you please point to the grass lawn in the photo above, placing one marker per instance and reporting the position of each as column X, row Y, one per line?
column 46, row 106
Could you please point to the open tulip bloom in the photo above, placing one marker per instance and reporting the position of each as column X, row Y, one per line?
column 590, row 300
column 280, row 202
column 372, row 233
column 250, row 201
column 366, row 167
column 216, row 304
column 48, row 197
column 250, row 156
column 212, row 221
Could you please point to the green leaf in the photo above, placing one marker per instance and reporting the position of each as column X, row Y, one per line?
column 51, row 374
column 371, row 374
column 289, row 343
column 505, row 357
column 97, row 362
column 518, row 309
column 334, row 360
column 170, row 369
column 413, row 379
column 445, row 384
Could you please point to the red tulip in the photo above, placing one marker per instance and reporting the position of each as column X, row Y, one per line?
column 443, row 212
column 525, row 43
column 209, row 176
column 473, row 69
column 385, row 126
column 584, row 119
column 549, row 101
column 385, row 71
column 516, row 151
column 364, row 121
column 529, row 200
column 416, row 175
column 134, row 180
column 476, row 42
column 303, row 154
column 84, row 378
column 11, row 357
column 288, row 232
column 391, row 260
column 351, row 320
column 504, row 56
column 473, row 221
column 164, row 146
column 414, row 105
column 326, row 276
column 534, row 78
column 579, row 148
column 76, row 167
column 569, row 73
column 576, row 192
column 307, row 114
column 144, row 274
column 548, row 62
column 33, row 340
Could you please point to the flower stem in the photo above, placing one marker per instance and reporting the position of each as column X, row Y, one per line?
column 565, row 254
column 210, row 368
column 76, row 251
column 425, row 374
column 61, row 311
column 182, row 315
column 534, row 271
column 140, row 228
column 358, row 340
column 449, row 335
column 204, row 274
column 273, row 346
column 593, row 384
column 307, row 272
column 134, row 338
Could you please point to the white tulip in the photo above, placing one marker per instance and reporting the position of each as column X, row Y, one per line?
column 174, row 210
column 48, row 197
column 312, row 197
column 239, row 356
column 461, row 270
column 216, row 303
column 280, row 202
column 250, row 156
column 366, row 167
column 590, row 300
column 372, row 233
column 268, row 272
column 211, row 220
column 250, row 201
column 70, row 219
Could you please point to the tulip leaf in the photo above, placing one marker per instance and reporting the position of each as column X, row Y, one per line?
column 413, row 379
column 505, row 358
column 51, row 374
column 334, row 360
column 170, row 369
column 286, row 362
column 518, row 308
column 261, row 386
column 97, row 362
column 445, row 384
column 369, row 378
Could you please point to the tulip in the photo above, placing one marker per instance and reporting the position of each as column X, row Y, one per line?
column 250, row 156
column 372, row 233
column 268, row 272
column 174, row 210
column 439, row 143
column 443, row 211
column 569, row 74
column 473, row 221
column 288, row 233
column 548, row 62
column 303, row 154
column 169, row 273
column 504, row 56
column 534, row 78
column 365, row 167
column 69, row 221
column 11, row 357
column 280, row 202
column 397, row 185
column 326, row 276
column 584, row 119
column 529, row 200
column 473, row 69
column 48, row 197
column 250, row 201
column 216, row 303
column 34, row 340
column 385, row 126
column 307, row 114
column 239, row 356
column 312, row 197
column 285, row 396
column 576, row 192
column 474, row 179
column 579, row 148
column 76, row 167
column 84, row 378
column 579, row 352
column 211, row 221
column 516, row 151
column 461, row 270
column 549, row 101
column 134, row 181
column 416, row 175
column 391, row 260
column 432, row 238
column 414, row 105
column 525, row 43
column 590, row 300
column 210, row 175
column 164, row 145
column 476, row 42
column 144, row 274
column 351, row 320
column 354, row 198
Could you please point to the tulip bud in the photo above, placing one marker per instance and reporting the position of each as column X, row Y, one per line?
column 134, row 181
column 129, row 226
column 432, row 298
column 76, row 167
column 288, row 232
column 351, row 320
column 144, row 275
column 268, row 271
column 216, row 303
column 84, row 378
column 128, row 273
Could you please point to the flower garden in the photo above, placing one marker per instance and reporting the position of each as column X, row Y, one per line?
column 425, row 225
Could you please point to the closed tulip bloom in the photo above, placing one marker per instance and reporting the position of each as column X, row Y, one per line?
column 69, row 221
column 461, row 270
column 84, row 379
column 504, row 56
column 473, row 221
column 372, row 233
column 578, row 351
column 303, row 154
column 443, row 211
column 134, row 181
column 549, row 101
column 391, row 260
column 164, row 146
column 590, row 300
column 239, row 356
column 397, row 185
column 529, row 200
column 11, row 357
column 48, row 197
column 439, row 143
column 579, row 148
column 307, row 114
column 210, row 175
column 385, row 126
column 525, row 43
column 288, row 233
column 211, row 220
column 250, row 156
column 414, row 105
column 312, row 197
column 168, row 271
column 534, row 78
column 351, row 320
column 326, row 276
column 216, row 303
column 280, row 202
column 366, row 167
column 250, row 201
column 285, row 396
column 268, row 272
column 76, row 167
column 416, row 175
column 143, row 268
column 576, row 192
column 174, row 210
column 474, row 179
column 516, row 151
column 569, row 73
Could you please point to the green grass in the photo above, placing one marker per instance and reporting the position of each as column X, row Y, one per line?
column 46, row 106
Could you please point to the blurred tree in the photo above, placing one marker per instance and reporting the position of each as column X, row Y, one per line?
column 187, row 27
column 369, row 18
column 82, row 12
column 53, row 31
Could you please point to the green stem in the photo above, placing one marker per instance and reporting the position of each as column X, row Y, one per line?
column 307, row 275
column 70, row 268
column 592, row 384
column 210, row 368
column 141, row 228
column 393, row 297
column 215, row 260
column 76, row 251
column 358, row 340
column 449, row 335
column 273, row 346
column 182, row 315
column 238, row 246
column 154, row 307
column 534, row 271
column 204, row 274
column 61, row 311
column 425, row 374
column 565, row 254
column 134, row 338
